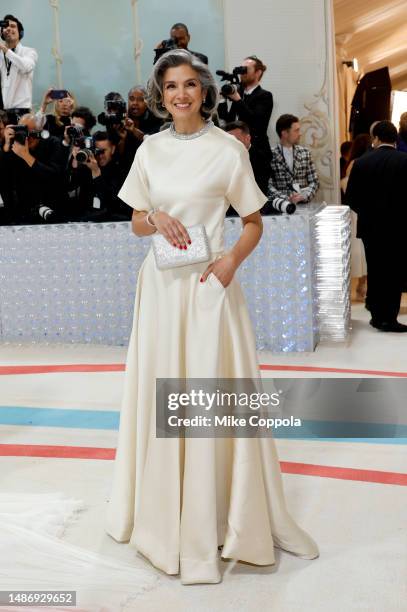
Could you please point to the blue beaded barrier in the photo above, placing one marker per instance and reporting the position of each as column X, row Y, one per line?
column 76, row 282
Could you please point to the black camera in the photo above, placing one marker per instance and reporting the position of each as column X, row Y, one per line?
column 83, row 142
column 169, row 44
column 21, row 133
column 4, row 23
column 75, row 134
column 86, row 151
column 231, row 87
column 114, row 114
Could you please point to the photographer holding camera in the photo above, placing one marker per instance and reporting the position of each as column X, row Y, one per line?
column 179, row 39
column 31, row 170
column 82, row 118
column 294, row 179
column 245, row 100
column 17, row 65
column 64, row 105
column 138, row 123
column 114, row 119
column 97, row 176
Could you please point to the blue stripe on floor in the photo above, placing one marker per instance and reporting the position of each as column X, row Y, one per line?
column 348, row 439
column 377, row 433
column 341, row 430
column 59, row 417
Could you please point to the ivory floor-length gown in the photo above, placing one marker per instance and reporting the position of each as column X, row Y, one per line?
column 177, row 500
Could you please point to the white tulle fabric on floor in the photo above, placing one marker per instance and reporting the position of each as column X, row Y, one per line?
column 33, row 557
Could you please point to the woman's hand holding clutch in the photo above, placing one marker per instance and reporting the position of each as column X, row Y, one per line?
column 223, row 268
column 171, row 229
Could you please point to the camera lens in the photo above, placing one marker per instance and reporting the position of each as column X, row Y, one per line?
column 82, row 157
column 227, row 90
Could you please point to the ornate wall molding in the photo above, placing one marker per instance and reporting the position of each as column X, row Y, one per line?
column 316, row 134
column 320, row 129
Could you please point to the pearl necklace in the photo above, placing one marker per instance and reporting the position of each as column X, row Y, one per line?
column 201, row 132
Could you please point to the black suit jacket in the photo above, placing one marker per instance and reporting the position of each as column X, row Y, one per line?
column 255, row 110
column 377, row 192
column 200, row 56
column 261, row 167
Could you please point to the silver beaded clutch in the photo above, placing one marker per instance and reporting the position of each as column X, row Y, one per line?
column 168, row 256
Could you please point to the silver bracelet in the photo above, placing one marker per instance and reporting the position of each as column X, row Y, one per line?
column 154, row 210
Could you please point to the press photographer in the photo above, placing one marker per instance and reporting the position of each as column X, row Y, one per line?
column 140, row 121
column 179, row 39
column 97, row 176
column 82, row 120
column 245, row 100
column 64, row 105
column 114, row 118
column 17, row 65
column 31, row 170
column 293, row 179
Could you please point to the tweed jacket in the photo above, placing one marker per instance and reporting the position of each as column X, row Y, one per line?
column 282, row 179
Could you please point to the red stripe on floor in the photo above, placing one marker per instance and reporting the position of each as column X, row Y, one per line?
column 297, row 368
column 119, row 367
column 60, row 452
column 74, row 367
column 328, row 471
column 287, row 467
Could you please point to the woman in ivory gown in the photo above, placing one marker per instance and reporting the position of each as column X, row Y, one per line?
column 177, row 500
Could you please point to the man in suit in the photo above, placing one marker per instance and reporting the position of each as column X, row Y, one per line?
column 251, row 104
column 260, row 164
column 179, row 38
column 376, row 191
column 294, row 179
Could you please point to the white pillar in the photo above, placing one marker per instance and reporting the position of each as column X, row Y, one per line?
column 137, row 42
column 56, row 49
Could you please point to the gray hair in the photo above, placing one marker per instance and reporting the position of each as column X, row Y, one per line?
column 38, row 119
column 137, row 88
column 173, row 59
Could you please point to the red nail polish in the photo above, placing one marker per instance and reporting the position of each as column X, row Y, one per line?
column 201, row 280
column 189, row 242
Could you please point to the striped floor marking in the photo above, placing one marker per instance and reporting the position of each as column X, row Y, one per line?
column 110, row 419
column 119, row 367
column 64, row 367
column 298, row 368
column 287, row 467
column 59, row 417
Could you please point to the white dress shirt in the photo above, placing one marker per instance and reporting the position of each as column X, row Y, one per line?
column 16, row 87
column 288, row 154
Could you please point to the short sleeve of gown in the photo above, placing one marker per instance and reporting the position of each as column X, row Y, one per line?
column 243, row 192
column 135, row 190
